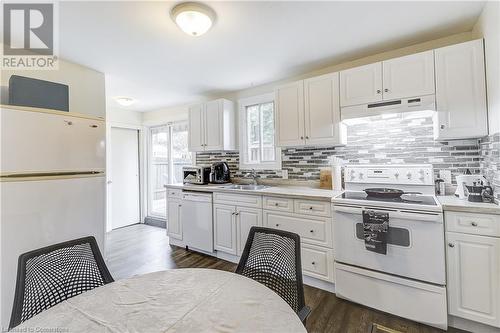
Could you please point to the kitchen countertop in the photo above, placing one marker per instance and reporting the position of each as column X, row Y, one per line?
column 286, row 191
column 451, row 202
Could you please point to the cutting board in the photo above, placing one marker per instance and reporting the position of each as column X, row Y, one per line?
column 325, row 179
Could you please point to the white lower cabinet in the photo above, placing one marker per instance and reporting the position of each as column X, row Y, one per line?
column 174, row 223
column 474, row 277
column 225, row 228
column 317, row 262
column 232, row 225
column 245, row 219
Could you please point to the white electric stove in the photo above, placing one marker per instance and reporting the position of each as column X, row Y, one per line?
column 410, row 279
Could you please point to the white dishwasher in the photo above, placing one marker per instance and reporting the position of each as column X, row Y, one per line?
column 196, row 217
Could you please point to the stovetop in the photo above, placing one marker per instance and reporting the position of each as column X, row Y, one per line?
column 414, row 199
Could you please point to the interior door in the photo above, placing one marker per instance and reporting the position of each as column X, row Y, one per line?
column 213, row 125
column 124, row 177
column 225, row 228
column 473, row 277
column 322, row 110
column 290, row 114
column 196, row 139
column 361, row 85
column 409, row 76
column 247, row 218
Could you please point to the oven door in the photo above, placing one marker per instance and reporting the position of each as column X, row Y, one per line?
column 415, row 243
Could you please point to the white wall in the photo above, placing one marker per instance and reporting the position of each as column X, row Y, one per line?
column 86, row 86
column 180, row 112
column 488, row 26
column 163, row 116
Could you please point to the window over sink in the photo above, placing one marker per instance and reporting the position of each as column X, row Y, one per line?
column 258, row 133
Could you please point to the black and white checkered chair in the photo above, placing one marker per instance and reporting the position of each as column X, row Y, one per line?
column 50, row 275
column 272, row 257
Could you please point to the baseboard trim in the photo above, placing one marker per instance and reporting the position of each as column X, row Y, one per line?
column 155, row 222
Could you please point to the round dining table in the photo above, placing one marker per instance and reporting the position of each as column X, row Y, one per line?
column 178, row 300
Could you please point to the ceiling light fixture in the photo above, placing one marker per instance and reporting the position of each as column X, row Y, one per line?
column 193, row 18
column 125, row 101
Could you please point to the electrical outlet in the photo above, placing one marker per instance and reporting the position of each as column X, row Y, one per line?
column 445, row 175
column 284, row 174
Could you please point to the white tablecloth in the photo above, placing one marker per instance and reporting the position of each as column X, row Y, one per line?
column 180, row 300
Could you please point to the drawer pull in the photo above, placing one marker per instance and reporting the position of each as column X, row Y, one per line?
column 277, row 224
column 451, row 245
column 313, row 263
column 311, row 231
column 474, row 224
column 93, row 126
column 311, row 207
column 276, row 204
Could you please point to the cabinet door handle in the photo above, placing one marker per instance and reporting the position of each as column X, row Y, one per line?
column 180, row 205
column 311, row 207
column 313, row 263
column 68, row 122
column 311, row 231
column 276, row 204
column 386, row 90
column 236, row 214
column 307, row 137
column 379, row 91
column 442, row 126
column 474, row 224
column 451, row 245
column 301, row 138
column 277, row 224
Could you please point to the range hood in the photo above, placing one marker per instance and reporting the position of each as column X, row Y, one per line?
column 420, row 103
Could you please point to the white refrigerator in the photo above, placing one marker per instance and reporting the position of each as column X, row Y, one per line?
column 52, row 186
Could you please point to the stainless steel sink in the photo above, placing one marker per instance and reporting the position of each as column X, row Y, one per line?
column 245, row 187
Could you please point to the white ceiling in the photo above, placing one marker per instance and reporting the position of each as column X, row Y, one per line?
column 145, row 56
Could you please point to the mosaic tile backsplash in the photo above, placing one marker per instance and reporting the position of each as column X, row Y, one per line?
column 490, row 160
column 392, row 138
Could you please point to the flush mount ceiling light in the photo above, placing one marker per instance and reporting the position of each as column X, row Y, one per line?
column 125, row 101
column 193, row 18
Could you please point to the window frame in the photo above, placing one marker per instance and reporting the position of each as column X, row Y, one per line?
column 149, row 199
column 242, row 105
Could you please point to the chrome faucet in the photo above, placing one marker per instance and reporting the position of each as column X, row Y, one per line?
column 254, row 176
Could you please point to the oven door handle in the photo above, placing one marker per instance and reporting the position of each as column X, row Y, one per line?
column 427, row 217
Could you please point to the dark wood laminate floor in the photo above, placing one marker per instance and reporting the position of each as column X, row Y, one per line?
column 141, row 249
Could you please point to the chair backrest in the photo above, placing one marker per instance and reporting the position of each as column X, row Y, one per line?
column 272, row 257
column 55, row 273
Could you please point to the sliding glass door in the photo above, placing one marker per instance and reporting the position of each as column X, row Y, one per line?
column 168, row 153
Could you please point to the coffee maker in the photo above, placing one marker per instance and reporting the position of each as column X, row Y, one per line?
column 219, row 173
column 467, row 180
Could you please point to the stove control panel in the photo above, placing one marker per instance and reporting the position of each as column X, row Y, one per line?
column 390, row 174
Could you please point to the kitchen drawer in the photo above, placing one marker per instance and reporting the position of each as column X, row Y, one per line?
column 174, row 193
column 238, row 199
column 311, row 207
column 311, row 229
column 473, row 223
column 278, row 203
column 317, row 262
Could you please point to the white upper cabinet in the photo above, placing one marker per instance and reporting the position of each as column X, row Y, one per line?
column 361, row 85
column 212, row 126
column 308, row 112
column 196, row 138
column 460, row 92
column 408, row 76
column 322, row 110
column 290, row 114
